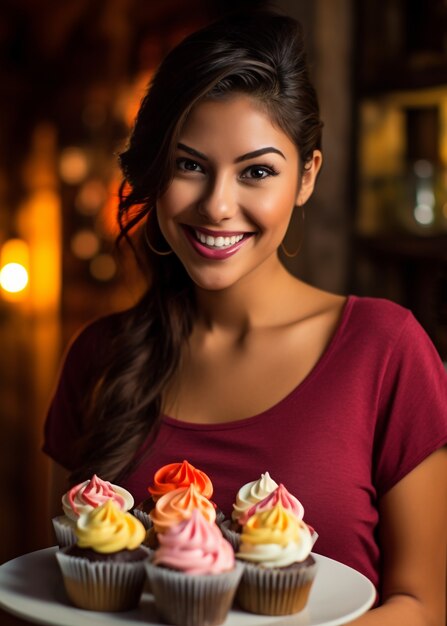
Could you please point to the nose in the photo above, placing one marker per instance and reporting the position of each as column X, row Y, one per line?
column 218, row 202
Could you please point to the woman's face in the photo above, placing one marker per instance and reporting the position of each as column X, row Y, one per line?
column 235, row 185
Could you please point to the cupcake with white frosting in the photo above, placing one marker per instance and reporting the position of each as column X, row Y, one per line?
column 278, row 566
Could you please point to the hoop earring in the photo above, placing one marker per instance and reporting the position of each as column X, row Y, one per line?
column 292, row 255
column 148, row 243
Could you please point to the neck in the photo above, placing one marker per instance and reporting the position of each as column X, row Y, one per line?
column 258, row 300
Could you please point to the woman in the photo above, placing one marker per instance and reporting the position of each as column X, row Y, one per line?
column 230, row 362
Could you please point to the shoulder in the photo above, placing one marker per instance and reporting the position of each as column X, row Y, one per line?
column 378, row 317
column 379, row 310
column 383, row 332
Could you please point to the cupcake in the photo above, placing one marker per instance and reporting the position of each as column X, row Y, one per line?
column 248, row 495
column 280, row 495
column 193, row 574
column 278, row 567
column 104, row 570
column 174, row 507
column 168, row 478
column 83, row 498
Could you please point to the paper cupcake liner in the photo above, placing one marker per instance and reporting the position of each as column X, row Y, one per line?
column 275, row 591
column 64, row 530
column 220, row 516
column 193, row 600
column 230, row 535
column 143, row 517
column 102, row 585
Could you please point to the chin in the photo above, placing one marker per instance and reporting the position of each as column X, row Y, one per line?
column 211, row 283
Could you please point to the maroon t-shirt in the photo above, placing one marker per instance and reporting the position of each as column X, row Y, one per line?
column 371, row 410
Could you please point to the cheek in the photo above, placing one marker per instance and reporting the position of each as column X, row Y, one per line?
column 272, row 207
column 168, row 204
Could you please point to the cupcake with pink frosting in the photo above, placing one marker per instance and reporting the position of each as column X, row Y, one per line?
column 256, row 497
column 193, row 574
column 82, row 499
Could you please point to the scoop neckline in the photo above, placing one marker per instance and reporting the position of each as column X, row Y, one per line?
column 240, row 423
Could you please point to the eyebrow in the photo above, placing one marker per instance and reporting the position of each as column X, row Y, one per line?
column 244, row 157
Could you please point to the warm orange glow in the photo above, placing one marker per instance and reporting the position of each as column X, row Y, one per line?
column 13, row 277
column 41, row 222
column 14, row 269
column 106, row 221
column 131, row 99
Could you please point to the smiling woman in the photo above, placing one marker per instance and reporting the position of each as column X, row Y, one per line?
column 231, row 362
column 236, row 196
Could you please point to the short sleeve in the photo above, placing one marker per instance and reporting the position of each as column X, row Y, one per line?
column 412, row 412
column 81, row 366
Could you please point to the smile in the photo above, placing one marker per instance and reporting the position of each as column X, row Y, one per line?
column 216, row 246
column 218, row 242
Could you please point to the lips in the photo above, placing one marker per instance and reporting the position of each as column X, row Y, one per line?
column 216, row 244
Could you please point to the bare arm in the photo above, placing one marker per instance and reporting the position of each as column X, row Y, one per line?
column 413, row 535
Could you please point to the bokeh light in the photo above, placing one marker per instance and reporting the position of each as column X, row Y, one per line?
column 13, row 277
column 73, row 165
column 103, row 267
column 85, row 244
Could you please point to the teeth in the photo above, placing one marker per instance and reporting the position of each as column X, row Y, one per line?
column 217, row 242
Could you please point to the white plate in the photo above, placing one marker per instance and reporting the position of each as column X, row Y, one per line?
column 31, row 587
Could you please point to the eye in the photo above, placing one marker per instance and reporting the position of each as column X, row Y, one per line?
column 188, row 165
column 258, row 172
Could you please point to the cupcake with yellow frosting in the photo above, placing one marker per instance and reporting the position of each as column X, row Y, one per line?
column 259, row 495
column 83, row 498
column 104, row 570
column 174, row 507
column 169, row 478
column 278, row 566
column 193, row 574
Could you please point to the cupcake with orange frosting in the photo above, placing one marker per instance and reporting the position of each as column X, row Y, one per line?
column 174, row 507
column 279, row 569
column 104, row 570
column 193, row 574
column 83, row 498
column 169, row 478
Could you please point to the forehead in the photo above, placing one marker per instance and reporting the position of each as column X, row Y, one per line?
column 233, row 126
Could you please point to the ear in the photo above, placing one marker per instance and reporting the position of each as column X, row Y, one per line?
column 309, row 178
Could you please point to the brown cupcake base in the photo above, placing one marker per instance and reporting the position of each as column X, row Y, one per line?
column 103, row 585
column 193, row 600
column 276, row 591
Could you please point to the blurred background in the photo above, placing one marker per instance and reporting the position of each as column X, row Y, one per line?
column 71, row 76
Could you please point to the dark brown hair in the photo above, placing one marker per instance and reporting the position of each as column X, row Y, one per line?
column 260, row 53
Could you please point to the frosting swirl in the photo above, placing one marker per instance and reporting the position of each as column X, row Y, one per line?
column 195, row 546
column 279, row 496
column 107, row 529
column 90, row 494
column 177, row 475
column 178, row 505
column 275, row 538
column 251, row 493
